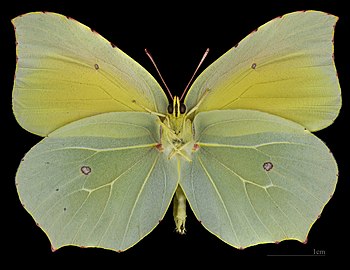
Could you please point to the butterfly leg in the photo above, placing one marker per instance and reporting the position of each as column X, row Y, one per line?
column 206, row 92
column 148, row 110
column 180, row 152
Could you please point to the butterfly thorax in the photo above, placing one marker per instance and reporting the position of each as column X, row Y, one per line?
column 177, row 139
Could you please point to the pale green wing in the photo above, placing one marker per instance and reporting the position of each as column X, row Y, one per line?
column 257, row 178
column 66, row 71
column 98, row 182
column 285, row 67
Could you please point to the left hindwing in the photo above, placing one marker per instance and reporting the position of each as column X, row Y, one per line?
column 98, row 182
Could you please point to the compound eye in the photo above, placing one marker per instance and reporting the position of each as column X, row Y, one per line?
column 182, row 108
column 170, row 108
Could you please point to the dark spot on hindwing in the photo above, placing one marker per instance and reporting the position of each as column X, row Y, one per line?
column 86, row 170
column 267, row 166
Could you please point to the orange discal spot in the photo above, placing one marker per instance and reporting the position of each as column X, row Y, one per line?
column 195, row 147
column 159, row 147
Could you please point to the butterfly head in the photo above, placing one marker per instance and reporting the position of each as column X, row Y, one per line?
column 176, row 109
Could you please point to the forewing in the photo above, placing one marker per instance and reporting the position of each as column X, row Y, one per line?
column 285, row 67
column 257, row 178
column 66, row 71
column 98, row 182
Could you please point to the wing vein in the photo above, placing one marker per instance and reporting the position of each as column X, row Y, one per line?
column 220, row 198
column 138, row 197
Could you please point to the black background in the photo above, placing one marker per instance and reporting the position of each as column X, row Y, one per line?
column 177, row 35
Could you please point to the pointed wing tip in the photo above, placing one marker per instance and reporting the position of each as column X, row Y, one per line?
column 16, row 19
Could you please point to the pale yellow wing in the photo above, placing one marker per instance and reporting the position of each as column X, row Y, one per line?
column 285, row 68
column 65, row 72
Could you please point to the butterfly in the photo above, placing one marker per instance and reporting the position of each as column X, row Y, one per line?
column 238, row 148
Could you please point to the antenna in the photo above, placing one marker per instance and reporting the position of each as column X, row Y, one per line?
column 154, row 64
column 200, row 63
